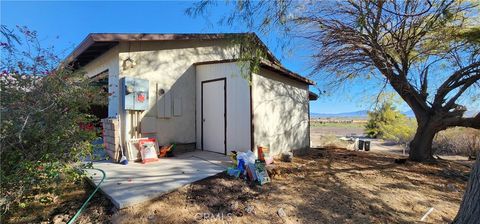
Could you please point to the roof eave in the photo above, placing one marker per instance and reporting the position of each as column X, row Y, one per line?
column 87, row 42
column 94, row 39
column 287, row 72
column 312, row 96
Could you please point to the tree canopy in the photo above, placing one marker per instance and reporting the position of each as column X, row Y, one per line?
column 428, row 51
column 45, row 126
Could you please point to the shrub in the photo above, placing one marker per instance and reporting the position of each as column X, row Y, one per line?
column 42, row 110
column 390, row 124
column 457, row 141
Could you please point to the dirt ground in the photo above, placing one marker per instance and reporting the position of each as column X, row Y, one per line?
column 323, row 186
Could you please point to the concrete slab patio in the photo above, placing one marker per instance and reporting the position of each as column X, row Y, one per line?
column 135, row 183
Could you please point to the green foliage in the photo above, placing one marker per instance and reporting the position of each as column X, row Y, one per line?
column 43, row 122
column 251, row 54
column 390, row 124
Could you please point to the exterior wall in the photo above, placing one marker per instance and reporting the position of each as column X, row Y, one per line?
column 280, row 112
column 280, row 105
column 108, row 61
column 168, row 65
column 238, row 103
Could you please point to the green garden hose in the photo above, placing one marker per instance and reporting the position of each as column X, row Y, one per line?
column 89, row 197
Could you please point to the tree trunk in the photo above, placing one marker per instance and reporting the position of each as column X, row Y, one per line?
column 469, row 211
column 421, row 145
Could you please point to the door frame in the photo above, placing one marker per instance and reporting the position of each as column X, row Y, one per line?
column 224, row 109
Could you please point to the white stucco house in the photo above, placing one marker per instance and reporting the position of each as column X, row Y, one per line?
column 199, row 95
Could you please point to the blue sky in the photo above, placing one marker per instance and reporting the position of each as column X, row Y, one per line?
column 72, row 21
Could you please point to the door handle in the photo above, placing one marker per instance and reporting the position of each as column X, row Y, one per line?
column 203, row 120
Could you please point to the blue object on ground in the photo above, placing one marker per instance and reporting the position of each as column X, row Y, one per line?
column 232, row 171
column 241, row 165
column 98, row 152
column 123, row 160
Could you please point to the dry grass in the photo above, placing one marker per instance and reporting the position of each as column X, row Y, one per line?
column 322, row 186
column 331, row 142
column 458, row 141
column 36, row 211
column 64, row 207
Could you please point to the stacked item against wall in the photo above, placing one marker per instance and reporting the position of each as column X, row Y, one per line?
column 148, row 150
column 111, row 138
column 248, row 166
column 134, row 149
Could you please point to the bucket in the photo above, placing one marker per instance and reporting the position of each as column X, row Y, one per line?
column 367, row 145
column 360, row 144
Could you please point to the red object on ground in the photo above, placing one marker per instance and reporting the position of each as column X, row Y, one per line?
column 260, row 153
column 164, row 150
column 148, row 150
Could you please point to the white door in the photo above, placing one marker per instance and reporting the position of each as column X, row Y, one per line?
column 213, row 115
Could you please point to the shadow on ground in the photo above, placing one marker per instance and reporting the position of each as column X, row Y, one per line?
column 321, row 186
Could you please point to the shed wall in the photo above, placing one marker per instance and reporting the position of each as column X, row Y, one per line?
column 280, row 104
column 238, row 103
column 280, row 112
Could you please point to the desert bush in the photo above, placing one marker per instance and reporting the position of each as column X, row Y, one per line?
column 388, row 123
column 457, row 141
column 43, row 120
column 332, row 141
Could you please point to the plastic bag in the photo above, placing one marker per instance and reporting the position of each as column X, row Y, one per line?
column 249, row 157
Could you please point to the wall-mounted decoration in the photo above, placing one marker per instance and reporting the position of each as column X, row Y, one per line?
column 135, row 93
column 128, row 63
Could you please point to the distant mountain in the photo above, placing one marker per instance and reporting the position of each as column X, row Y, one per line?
column 360, row 113
column 364, row 114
